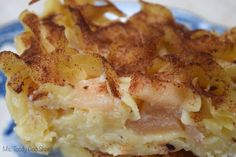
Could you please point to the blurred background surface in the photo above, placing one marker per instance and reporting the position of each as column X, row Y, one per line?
column 217, row 11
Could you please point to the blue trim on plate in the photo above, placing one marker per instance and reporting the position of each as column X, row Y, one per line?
column 194, row 21
column 9, row 31
column 9, row 129
column 2, row 84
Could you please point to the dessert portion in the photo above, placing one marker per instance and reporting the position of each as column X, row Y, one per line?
column 92, row 86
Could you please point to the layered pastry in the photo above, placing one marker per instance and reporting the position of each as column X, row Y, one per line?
column 144, row 86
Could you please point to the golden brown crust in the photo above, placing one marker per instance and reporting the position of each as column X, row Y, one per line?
column 129, row 47
column 150, row 48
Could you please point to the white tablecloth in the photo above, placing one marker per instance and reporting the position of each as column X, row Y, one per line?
column 218, row 11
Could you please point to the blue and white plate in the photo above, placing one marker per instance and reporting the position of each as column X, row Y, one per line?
column 9, row 143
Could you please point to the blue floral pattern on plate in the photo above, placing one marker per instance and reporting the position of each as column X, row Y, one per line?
column 8, row 32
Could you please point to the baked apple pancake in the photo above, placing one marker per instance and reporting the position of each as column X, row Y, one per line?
column 91, row 86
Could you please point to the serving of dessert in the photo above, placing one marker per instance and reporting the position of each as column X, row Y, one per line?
column 145, row 86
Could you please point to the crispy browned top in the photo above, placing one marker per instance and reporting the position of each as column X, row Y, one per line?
column 149, row 46
column 147, row 42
